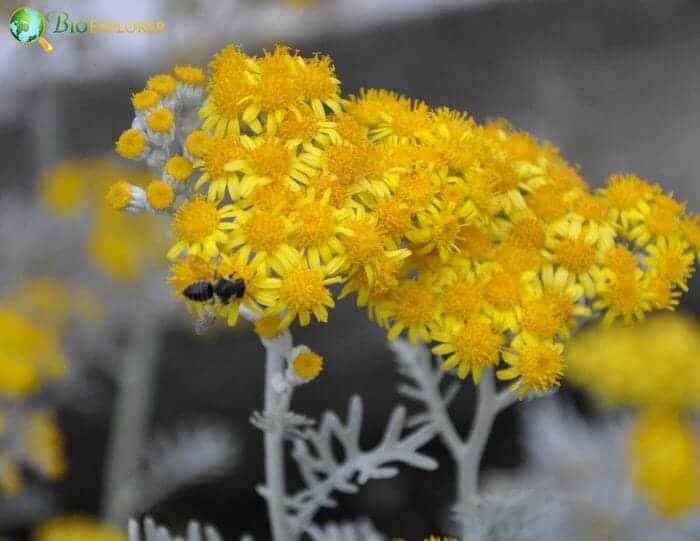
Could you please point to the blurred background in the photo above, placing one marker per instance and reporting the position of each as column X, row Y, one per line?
column 615, row 85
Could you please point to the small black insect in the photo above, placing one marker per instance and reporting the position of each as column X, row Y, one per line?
column 201, row 291
column 226, row 289
column 222, row 290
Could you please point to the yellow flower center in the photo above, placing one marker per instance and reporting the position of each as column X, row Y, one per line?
column 503, row 290
column 130, row 144
column 474, row 242
column 411, row 119
column 144, row 99
column 268, row 326
column 547, row 203
column 270, row 160
column 575, row 254
column 307, row 365
column 541, row 366
column 624, row 294
column 316, row 225
column 445, row 230
column 462, row 299
column 302, row 289
column 662, row 221
column 415, row 303
column 218, row 153
column 416, row 190
column 476, row 343
column 189, row 75
column 264, row 232
column 163, row 84
column 345, row 163
column 624, row 192
column 393, row 218
column 547, row 315
column 620, row 260
column 196, row 220
column 350, row 130
column 452, row 193
column 160, row 195
column 119, row 195
column 229, row 94
column 527, row 233
column 197, row 143
column 365, row 245
column 317, row 80
column 178, row 168
column 161, row 120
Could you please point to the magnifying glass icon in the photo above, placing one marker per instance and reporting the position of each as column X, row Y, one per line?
column 27, row 26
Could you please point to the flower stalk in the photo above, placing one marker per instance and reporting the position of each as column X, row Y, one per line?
column 130, row 419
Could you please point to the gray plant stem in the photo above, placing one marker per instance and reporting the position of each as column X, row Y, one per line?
column 130, row 419
column 276, row 405
column 467, row 452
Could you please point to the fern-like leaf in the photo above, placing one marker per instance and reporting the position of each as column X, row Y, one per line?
column 152, row 532
column 325, row 473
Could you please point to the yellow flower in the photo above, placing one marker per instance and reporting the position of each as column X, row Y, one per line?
column 577, row 253
column 671, row 260
column 665, row 462
column 471, row 346
column 161, row 120
column 268, row 326
column 163, row 84
column 190, row 75
column 189, row 271
column 264, row 236
column 131, row 144
column 77, row 528
column 550, row 304
column 628, row 197
column 63, row 190
column 178, row 169
column 43, row 444
column 29, row 354
column 145, row 100
column 160, row 195
column 307, row 365
column 537, row 365
column 317, row 229
column 411, row 306
column 639, row 366
column 302, row 291
column 624, row 296
column 215, row 155
column 200, row 227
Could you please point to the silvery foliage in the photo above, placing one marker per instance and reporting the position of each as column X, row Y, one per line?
column 424, row 381
column 150, row 531
column 173, row 460
column 359, row 530
column 587, row 465
column 324, row 473
column 293, row 424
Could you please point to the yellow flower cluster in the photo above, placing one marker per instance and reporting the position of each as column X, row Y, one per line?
column 653, row 365
column 665, row 462
column 123, row 249
column 477, row 237
column 77, row 528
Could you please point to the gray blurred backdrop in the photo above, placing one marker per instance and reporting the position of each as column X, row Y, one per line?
column 614, row 84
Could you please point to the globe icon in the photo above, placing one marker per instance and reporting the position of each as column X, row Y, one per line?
column 27, row 26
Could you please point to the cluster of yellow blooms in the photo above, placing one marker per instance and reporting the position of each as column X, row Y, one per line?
column 122, row 249
column 652, row 367
column 474, row 237
column 77, row 528
column 33, row 317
